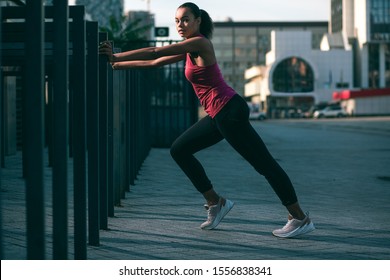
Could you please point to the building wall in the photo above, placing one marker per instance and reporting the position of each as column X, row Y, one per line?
column 349, row 18
column 377, row 105
column 334, row 72
column 361, row 24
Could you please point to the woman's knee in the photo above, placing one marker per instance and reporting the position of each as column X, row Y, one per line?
column 177, row 151
column 174, row 150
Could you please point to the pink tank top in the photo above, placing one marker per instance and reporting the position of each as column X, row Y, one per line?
column 210, row 87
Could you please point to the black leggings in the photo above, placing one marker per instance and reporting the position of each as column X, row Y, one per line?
column 231, row 123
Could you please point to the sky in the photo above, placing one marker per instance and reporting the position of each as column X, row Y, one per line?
column 241, row 10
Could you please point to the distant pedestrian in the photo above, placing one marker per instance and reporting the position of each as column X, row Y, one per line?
column 228, row 118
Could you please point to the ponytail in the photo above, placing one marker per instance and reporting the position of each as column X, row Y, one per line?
column 206, row 25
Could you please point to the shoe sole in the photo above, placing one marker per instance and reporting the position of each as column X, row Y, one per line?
column 299, row 231
column 228, row 206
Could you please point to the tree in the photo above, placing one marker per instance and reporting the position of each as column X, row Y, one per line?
column 124, row 33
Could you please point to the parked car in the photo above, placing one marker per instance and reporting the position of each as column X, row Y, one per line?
column 255, row 113
column 310, row 112
column 330, row 112
column 257, row 116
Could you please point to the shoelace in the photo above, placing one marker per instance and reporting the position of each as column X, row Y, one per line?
column 288, row 223
column 210, row 212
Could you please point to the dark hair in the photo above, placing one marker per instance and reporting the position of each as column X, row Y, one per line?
column 206, row 25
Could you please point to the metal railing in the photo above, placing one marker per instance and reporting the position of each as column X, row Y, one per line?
column 74, row 105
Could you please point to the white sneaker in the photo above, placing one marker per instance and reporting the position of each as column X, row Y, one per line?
column 216, row 213
column 295, row 227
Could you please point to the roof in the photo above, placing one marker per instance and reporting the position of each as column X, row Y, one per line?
column 334, row 40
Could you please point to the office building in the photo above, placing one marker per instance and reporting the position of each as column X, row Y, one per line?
column 366, row 23
column 372, row 33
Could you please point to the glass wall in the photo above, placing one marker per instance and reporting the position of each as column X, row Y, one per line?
column 336, row 15
column 373, row 65
column 387, row 65
column 293, row 75
column 380, row 20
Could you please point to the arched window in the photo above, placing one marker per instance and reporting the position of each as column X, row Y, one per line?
column 293, row 74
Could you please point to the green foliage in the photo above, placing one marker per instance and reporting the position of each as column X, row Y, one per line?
column 125, row 32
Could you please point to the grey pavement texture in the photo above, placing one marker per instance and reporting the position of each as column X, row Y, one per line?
column 340, row 169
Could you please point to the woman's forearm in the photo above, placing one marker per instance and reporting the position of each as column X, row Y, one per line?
column 140, row 54
column 147, row 63
column 132, row 64
column 152, row 53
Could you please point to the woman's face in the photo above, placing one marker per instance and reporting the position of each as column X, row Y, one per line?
column 186, row 24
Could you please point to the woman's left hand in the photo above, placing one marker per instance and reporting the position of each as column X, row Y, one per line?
column 105, row 48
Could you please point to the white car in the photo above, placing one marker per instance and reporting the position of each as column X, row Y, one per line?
column 255, row 113
column 330, row 112
column 257, row 116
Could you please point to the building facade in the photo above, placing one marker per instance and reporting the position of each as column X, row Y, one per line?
column 241, row 45
column 367, row 25
column 372, row 25
column 296, row 76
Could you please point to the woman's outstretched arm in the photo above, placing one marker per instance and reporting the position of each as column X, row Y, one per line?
column 196, row 44
column 147, row 63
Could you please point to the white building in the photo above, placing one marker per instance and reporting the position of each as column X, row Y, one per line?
column 366, row 23
column 240, row 45
column 296, row 76
column 372, row 33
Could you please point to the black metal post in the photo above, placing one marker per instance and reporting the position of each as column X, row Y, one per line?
column 103, row 136
column 127, row 132
column 1, row 143
column 110, row 157
column 132, row 124
column 79, row 131
column 60, row 129
column 34, row 128
column 93, row 133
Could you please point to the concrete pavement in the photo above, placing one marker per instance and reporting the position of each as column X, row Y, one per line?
column 340, row 169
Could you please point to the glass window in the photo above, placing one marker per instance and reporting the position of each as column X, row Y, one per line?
column 293, row 75
column 227, row 53
column 387, row 65
column 380, row 20
column 373, row 65
column 241, row 39
column 227, row 39
column 216, row 40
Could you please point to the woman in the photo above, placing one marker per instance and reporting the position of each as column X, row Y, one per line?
column 227, row 118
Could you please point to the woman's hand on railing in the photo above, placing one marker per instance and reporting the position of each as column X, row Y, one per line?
column 105, row 48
